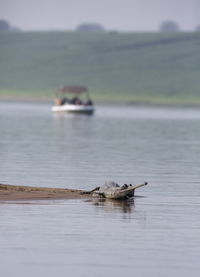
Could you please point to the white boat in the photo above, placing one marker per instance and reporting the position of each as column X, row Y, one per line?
column 87, row 109
column 79, row 103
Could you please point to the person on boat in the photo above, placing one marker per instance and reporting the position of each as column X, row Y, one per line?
column 78, row 101
column 73, row 100
column 57, row 101
column 64, row 100
column 89, row 102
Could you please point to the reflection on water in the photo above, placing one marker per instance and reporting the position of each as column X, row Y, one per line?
column 109, row 205
column 154, row 235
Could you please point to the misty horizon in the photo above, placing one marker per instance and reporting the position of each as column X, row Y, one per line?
column 123, row 16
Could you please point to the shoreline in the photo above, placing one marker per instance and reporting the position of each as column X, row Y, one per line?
column 129, row 103
column 15, row 192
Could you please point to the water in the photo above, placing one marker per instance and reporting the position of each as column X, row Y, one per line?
column 157, row 234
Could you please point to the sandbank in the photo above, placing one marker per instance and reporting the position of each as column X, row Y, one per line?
column 14, row 192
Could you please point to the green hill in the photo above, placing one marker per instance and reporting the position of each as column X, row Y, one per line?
column 117, row 67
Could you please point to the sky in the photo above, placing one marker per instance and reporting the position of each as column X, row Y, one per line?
column 121, row 15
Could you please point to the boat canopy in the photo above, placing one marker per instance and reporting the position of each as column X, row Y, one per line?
column 72, row 89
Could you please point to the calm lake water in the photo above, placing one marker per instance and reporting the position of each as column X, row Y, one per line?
column 157, row 234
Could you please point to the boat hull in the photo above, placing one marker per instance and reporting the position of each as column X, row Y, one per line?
column 74, row 109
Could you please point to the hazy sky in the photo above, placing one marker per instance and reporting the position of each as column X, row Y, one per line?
column 124, row 15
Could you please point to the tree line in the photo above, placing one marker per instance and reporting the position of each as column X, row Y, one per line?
column 165, row 26
column 6, row 27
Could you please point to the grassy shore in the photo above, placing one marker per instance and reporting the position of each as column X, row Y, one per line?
column 135, row 100
column 133, row 68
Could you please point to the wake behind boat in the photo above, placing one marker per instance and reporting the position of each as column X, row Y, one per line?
column 79, row 103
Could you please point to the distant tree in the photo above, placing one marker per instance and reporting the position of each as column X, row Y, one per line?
column 4, row 25
column 169, row 26
column 90, row 27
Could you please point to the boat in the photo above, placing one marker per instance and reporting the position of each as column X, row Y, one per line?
column 78, row 102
